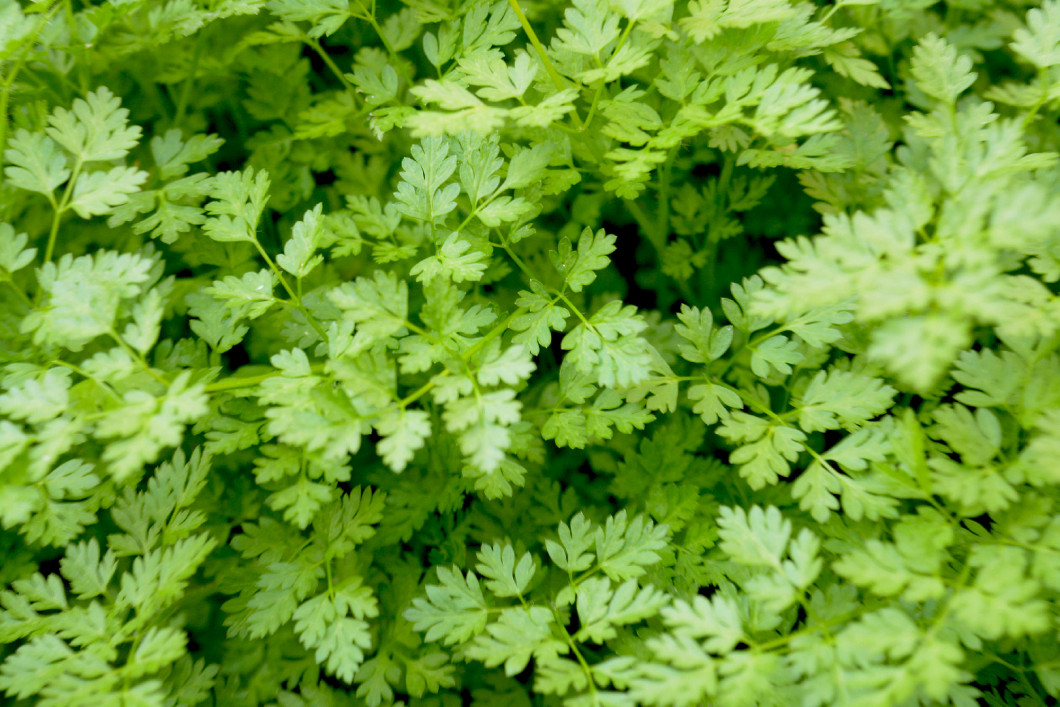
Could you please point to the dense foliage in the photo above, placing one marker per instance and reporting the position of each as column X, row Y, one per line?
column 597, row 352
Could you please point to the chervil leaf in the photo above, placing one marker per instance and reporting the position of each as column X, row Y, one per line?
column 35, row 162
column 95, row 129
column 544, row 316
column 14, row 255
column 403, row 433
column 453, row 611
column 778, row 353
column 766, row 450
column 453, row 262
column 422, row 193
column 571, row 553
column 939, row 71
column 325, row 16
column 624, row 548
column 705, row 344
column 717, row 620
column 601, row 608
column 839, row 398
column 758, row 537
column 299, row 255
column 518, row 635
column 97, row 193
column 505, row 577
column 579, row 267
column 249, row 296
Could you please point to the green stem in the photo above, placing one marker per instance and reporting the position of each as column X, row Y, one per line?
column 136, row 356
column 542, row 56
column 493, row 333
column 9, row 79
column 106, row 387
column 185, row 90
column 236, row 382
column 21, row 295
column 1043, row 80
column 418, row 393
column 662, row 225
column 645, row 223
column 369, row 16
column 294, row 298
column 516, row 259
column 60, row 209
column 600, row 86
column 329, row 62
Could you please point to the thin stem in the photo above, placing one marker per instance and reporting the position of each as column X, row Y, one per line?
column 493, row 333
column 106, row 387
column 577, row 312
column 516, row 259
column 21, row 295
column 662, row 224
column 185, row 89
column 419, row 392
column 294, row 298
column 60, row 209
column 543, row 56
column 9, row 80
column 136, row 356
column 329, row 62
column 369, row 16
column 600, row 86
column 644, row 221
column 1029, row 118
column 236, row 382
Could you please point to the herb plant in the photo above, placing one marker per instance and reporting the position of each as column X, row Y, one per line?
column 587, row 353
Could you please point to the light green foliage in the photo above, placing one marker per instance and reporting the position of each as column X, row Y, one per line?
column 597, row 353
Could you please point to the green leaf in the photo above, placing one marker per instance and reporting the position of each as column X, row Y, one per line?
column 403, row 432
column 504, row 577
column 299, row 255
column 607, row 344
column 1039, row 41
column 14, row 255
column 173, row 154
column 518, row 634
column 716, row 621
column 453, row 262
column 589, row 27
column 35, row 162
column 98, row 193
column 766, row 450
column 378, row 306
column 713, row 402
column 454, row 611
column 755, row 538
column 778, row 353
column 248, row 296
column 939, row 70
column 625, row 548
column 544, row 316
column 837, row 398
column 572, row 552
column 579, row 267
column 705, row 344
column 510, row 366
column 422, row 193
column 332, row 625
column 239, row 201
column 95, row 129
column 324, row 16
column 601, row 608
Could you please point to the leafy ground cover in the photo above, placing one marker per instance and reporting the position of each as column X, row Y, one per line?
column 585, row 353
